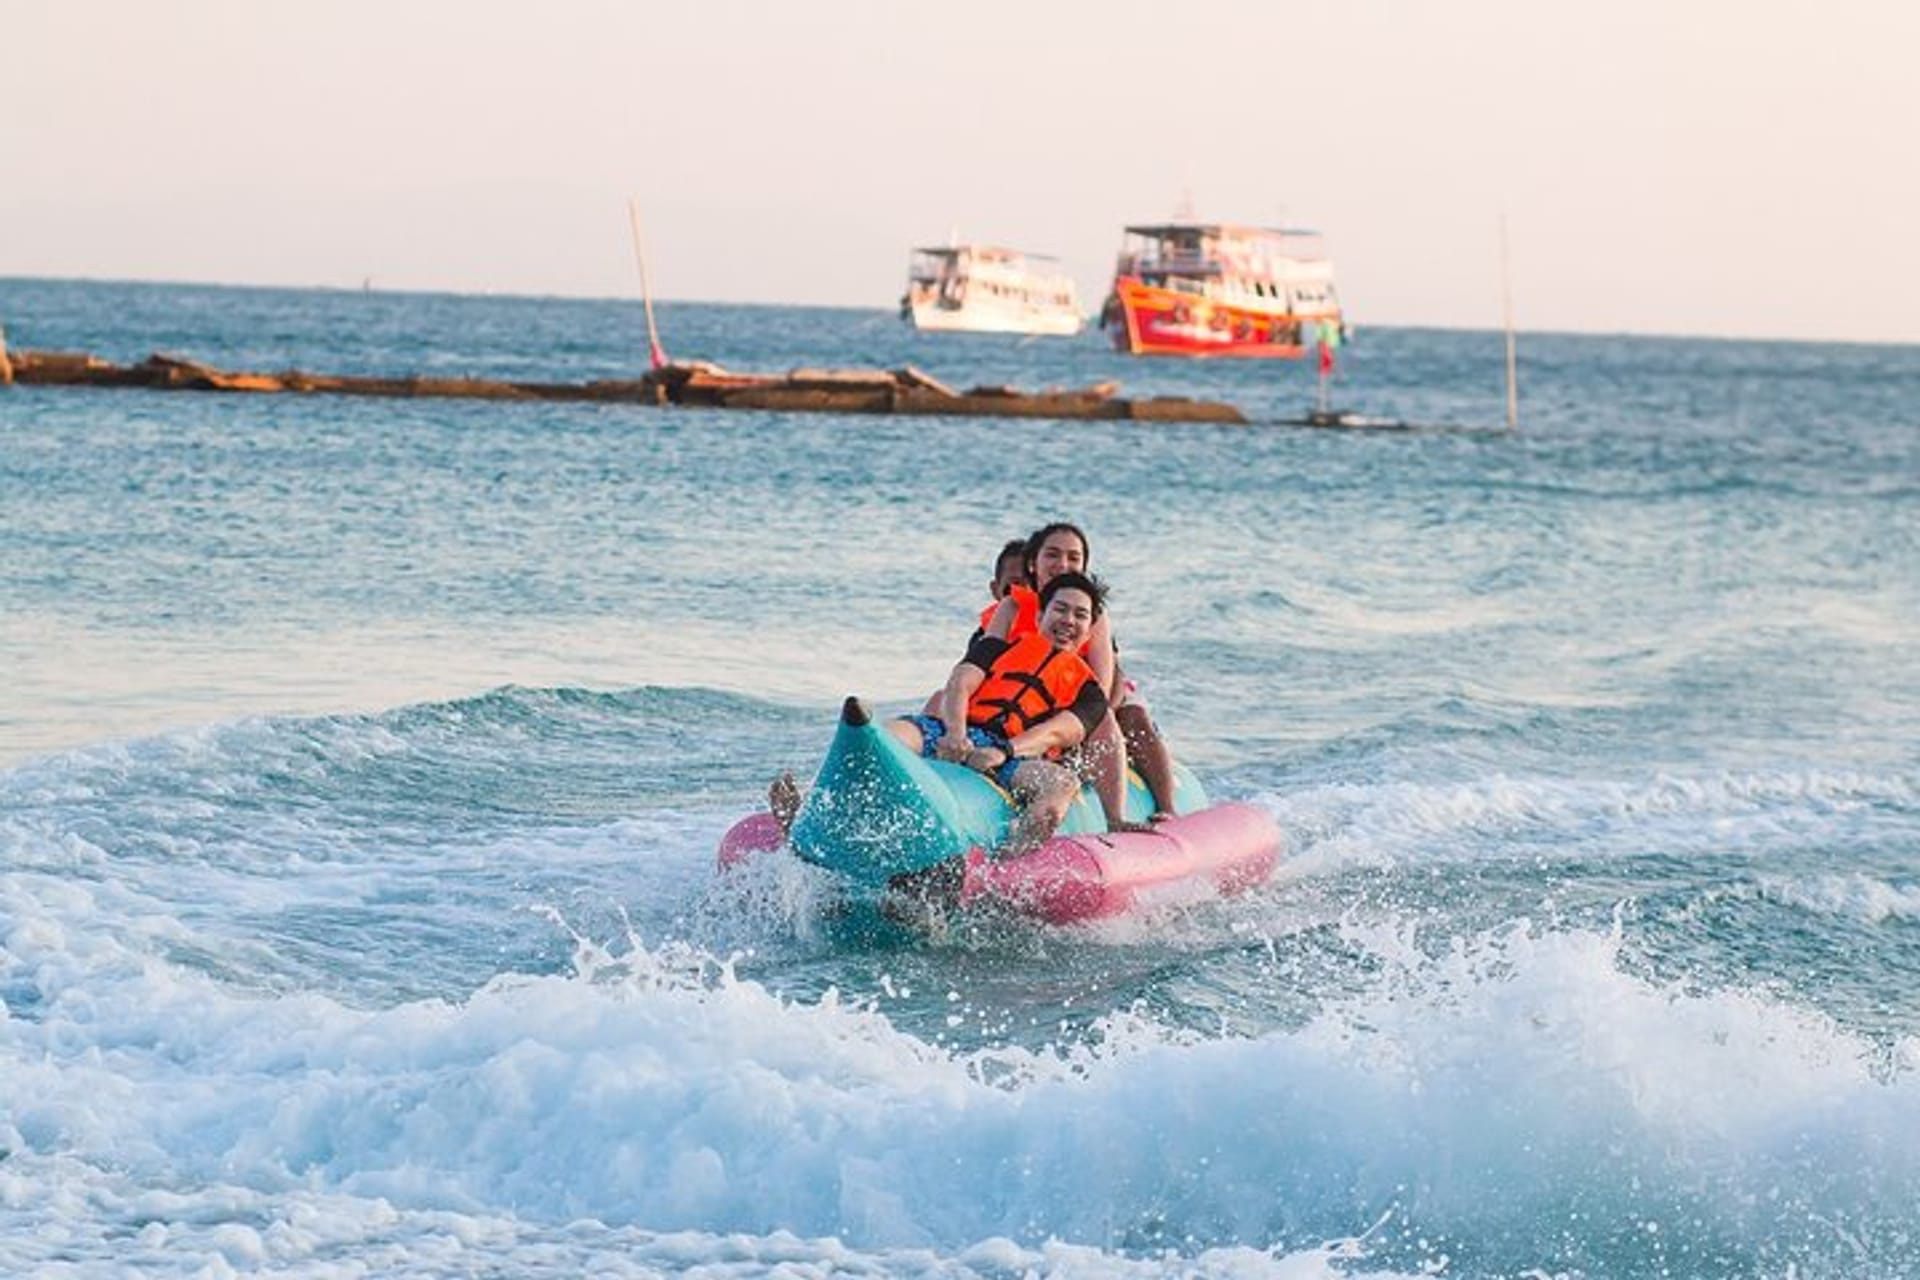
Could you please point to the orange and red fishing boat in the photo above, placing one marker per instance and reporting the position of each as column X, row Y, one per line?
column 1216, row 289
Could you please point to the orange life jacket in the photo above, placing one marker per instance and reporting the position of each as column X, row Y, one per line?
column 1029, row 682
column 1026, row 612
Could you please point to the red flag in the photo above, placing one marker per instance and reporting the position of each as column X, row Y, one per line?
column 1326, row 358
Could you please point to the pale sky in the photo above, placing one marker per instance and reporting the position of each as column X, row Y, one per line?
column 1663, row 166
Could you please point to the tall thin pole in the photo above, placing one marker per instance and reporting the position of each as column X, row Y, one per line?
column 1506, row 307
column 1326, row 371
column 656, row 354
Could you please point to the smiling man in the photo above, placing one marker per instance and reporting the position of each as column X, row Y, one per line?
column 1010, row 708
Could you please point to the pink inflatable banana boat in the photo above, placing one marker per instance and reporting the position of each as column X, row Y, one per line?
column 1215, row 852
column 888, row 822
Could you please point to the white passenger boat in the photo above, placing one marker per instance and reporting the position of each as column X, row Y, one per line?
column 970, row 288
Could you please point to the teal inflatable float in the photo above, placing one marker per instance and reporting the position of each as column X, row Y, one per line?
column 877, row 811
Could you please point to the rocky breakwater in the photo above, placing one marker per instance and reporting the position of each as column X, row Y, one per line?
column 692, row 385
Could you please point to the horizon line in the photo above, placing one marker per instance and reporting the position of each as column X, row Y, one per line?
column 369, row 288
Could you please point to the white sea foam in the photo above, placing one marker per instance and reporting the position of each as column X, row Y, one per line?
column 1855, row 896
column 1504, row 1090
column 650, row 1091
column 1354, row 824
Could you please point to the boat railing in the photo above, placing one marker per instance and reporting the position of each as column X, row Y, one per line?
column 1177, row 264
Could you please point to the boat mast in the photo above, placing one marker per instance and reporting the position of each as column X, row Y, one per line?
column 656, row 354
column 1506, row 307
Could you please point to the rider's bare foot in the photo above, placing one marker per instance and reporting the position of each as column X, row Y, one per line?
column 783, row 798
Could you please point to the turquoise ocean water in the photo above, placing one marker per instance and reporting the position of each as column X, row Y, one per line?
column 362, row 763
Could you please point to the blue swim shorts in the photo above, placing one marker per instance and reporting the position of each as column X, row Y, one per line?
column 933, row 728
